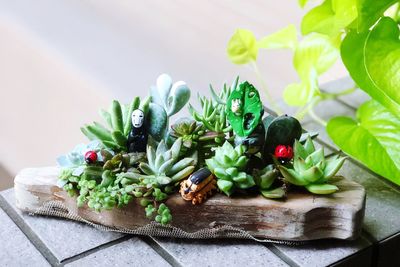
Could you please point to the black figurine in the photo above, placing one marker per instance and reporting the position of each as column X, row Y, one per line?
column 137, row 139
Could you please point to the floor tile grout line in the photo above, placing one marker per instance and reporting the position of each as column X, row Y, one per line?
column 160, row 250
column 27, row 231
column 281, row 255
column 96, row 249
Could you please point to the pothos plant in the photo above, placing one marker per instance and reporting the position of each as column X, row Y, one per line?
column 365, row 35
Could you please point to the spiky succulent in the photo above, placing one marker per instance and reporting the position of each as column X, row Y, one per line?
column 311, row 169
column 165, row 166
column 213, row 115
column 118, row 121
column 228, row 165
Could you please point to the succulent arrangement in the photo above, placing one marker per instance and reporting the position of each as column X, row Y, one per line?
column 227, row 147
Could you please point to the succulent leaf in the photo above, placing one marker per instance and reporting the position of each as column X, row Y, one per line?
column 322, row 189
column 274, row 193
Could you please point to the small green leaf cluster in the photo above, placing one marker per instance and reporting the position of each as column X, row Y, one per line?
column 163, row 215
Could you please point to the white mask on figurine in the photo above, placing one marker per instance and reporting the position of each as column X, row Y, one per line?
column 137, row 118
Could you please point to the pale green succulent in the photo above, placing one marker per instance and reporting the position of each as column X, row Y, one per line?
column 167, row 99
column 311, row 169
column 164, row 165
column 228, row 165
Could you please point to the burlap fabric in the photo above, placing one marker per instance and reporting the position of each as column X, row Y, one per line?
column 58, row 209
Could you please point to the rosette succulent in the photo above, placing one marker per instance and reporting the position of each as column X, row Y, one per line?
column 189, row 131
column 229, row 165
column 165, row 166
column 311, row 169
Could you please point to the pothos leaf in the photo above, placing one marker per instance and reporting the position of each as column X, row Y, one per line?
column 369, row 11
column 285, row 38
column 315, row 54
column 315, row 51
column 242, row 47
column 372, row 58
column 330, row 18
column 373, row 139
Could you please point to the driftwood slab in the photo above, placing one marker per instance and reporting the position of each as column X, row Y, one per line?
column 302, row 216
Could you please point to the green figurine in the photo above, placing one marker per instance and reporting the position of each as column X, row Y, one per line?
column 244, row 109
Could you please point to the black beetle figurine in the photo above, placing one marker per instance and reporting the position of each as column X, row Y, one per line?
column 137, row 139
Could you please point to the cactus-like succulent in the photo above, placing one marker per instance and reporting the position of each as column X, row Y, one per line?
column 118, row 121
column 228, row 165
column 213, row 115
column 167, row 99
column 311, row 169
column 164, row 165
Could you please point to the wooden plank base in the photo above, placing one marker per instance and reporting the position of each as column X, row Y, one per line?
column 302, row 216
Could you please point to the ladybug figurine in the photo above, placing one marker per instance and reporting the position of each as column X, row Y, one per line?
column 90, row 157
column 284, row 153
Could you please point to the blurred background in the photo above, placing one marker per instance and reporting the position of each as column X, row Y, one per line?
column 60, row 61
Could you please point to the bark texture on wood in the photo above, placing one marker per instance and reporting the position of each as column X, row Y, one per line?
column 302, row 216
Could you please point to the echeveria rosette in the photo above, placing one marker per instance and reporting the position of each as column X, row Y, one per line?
column 228, row 166
column 311, row 169
column 76, row 157
column 187, row 129
column 165, row 166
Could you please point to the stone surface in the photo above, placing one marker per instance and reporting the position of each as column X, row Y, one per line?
column 326, row 110
column 324, row 252
column 382, row 214
column 132, row 252
column 15, row 248
column 355, row 99
column 62, row 237
column 388, row 252
column 220, row 252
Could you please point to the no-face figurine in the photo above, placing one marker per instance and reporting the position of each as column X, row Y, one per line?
column 137, row 139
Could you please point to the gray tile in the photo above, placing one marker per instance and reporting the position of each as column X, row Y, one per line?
column 62, row 237
column 324, row 252
column 388, row 250
column 132, row 252
column 15, row 248
column 355, row 99
column 382, row 214
column 327, row 110
column 220, row 252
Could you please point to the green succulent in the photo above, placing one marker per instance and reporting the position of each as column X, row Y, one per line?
column 165, row 166
column 229, row 165
column 118, row 121
column 167, row 99
column 311, row 169
column 122, row 162
column 265, row 179
column 213, row 115
column 189, row 131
